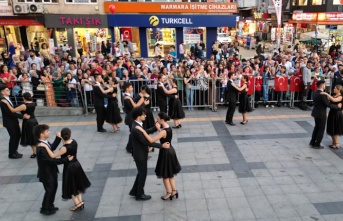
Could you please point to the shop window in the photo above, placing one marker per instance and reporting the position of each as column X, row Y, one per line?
column 316, row 2
column 81, row 1
column 38, row 1
column 302, row 2
column 127, row 35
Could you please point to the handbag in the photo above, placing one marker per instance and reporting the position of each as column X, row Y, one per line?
column 41, row 87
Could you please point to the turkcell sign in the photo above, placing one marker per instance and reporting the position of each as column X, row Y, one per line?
column 181, row 21
column 170, row 21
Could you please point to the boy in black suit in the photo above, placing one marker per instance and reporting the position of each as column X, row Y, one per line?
column 232, row 93
column 129, row 104
column 47, row 167
column 140, row 153
column 11, row 123
column 321, row 103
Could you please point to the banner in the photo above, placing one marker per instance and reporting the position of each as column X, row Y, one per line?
column 280, row 83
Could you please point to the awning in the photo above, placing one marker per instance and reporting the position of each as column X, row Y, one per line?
column 316, row 22
column 20, row 22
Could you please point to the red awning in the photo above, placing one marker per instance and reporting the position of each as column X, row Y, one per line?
column 20, row 22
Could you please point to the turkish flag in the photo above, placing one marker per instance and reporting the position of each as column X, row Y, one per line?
column 251, row 84
column 314, row 85
column 280, row 83
column 296, row 84
column 258, row 84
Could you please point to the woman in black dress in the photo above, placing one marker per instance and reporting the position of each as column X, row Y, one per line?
column 149, row 120
column 175, row 111
column 335, row 118
column 112, row 112
column 27, row 137
column 75, row 181
column 167, row 163
column 243, row 100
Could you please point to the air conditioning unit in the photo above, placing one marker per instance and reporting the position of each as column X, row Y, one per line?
column 20, row 8
column 36, row 8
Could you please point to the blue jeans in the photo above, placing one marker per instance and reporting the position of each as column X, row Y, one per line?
column 189, row 96
column 265, row 92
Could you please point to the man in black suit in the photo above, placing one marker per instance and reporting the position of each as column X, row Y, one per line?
column 321, row 103
column 161, row 95
column 231, row 97
column 99, row 104
column 47, row 167
column 129, row 104
column 140, row 152
column 11, row 123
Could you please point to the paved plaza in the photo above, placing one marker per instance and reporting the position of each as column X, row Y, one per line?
column 263, row 171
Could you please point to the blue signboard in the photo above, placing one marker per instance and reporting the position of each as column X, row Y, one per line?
column 157, row 20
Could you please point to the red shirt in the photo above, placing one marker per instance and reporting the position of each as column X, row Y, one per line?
column 98, row 69
column 7, row 75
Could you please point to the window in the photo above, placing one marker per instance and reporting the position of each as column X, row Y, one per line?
column 316, row 2
column 81, row 1
column 303, row 2
column 39, row 1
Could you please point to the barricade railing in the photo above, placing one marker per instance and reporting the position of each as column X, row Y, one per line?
column 278, row 90
column 48, row 94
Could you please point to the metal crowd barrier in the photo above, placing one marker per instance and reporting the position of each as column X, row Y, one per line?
column 47, row 94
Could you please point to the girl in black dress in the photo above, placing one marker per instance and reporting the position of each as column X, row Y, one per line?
column 175, row 111
column 112, row 112
column 75, row 181
column 27, row 137
column 167, row 163
column 335, row 118
column 149, row 120
column 243, row 100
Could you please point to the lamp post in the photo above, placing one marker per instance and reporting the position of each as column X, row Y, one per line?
column 278, row 11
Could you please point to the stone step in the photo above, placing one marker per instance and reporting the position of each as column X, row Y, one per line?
column 57, row 111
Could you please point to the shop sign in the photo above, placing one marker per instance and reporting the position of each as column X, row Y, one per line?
column 172, row 20
column 191, row 38
column 19, row 22
column 171, row 7
column 79, row 21
column 305, row 16
column 6, row 11
column 330, row 16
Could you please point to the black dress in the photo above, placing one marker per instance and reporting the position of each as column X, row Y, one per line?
column 167, row 163
column 113, row 112
column 243, row 102
column 335, row 121
column 27, row 137
column 149, row 120
column 175, row 108
column 74, row 180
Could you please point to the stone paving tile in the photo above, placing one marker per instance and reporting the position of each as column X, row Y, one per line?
column 228, row 173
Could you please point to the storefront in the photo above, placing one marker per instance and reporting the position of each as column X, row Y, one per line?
column 71, row 32
column 326, row 26
column 168, row 23
column 22, row 31
column 169, row 30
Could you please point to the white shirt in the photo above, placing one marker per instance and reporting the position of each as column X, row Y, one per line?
column 140, row 123
column 9, row 101
column 46, row 142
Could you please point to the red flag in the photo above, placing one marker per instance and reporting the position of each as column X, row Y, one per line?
column 296, row 84
column 281, row 83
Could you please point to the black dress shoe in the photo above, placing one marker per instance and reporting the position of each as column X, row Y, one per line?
column 317, row 146
column 232, row 124
column 47, row 212
column 311, row 144
column 143, row 197
column 132, row 194
column 18, row 154
column 55, row 208
column 14, row 156
column 102, row 130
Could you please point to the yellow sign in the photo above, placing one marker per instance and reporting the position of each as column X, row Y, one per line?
column 154, row 21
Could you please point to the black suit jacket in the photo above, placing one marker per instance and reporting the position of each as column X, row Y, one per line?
column 99, row 96
column 231, row 92
column 9, row 119
column 47, row 166
column 140, row 143
column 162, row 97
column 321, row 103
column 128, row 109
